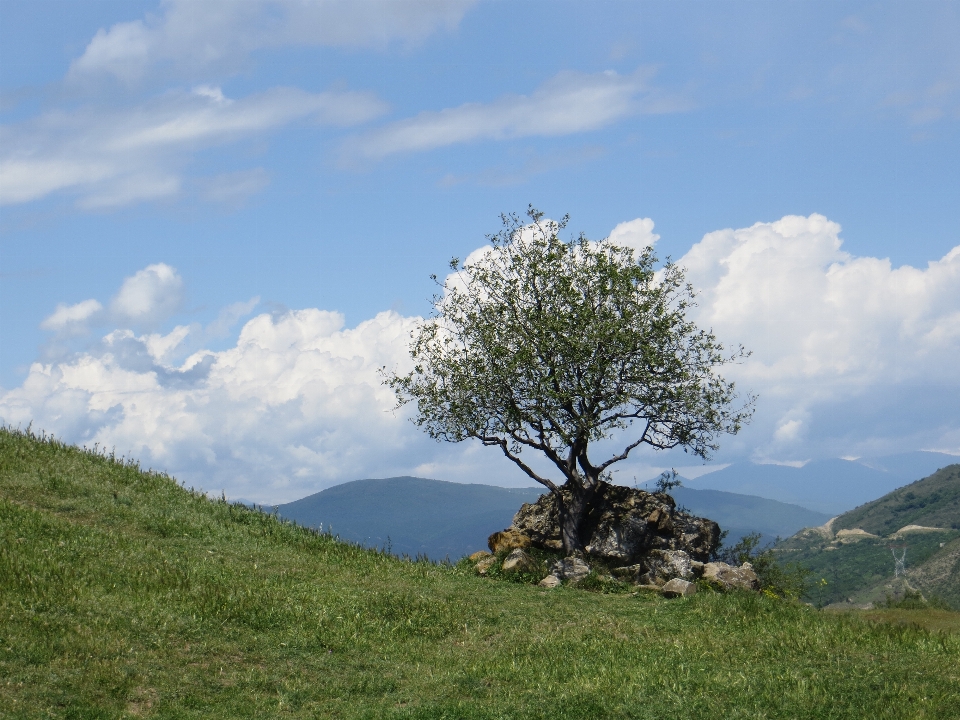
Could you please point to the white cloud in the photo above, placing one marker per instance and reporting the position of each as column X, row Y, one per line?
column 229, row 316
column 636, row 234
column 852, row 357
column 850, row 353
column 192, row 39
column 296, row 404
column 71, row 316
column 148, row 297
column 114, row 157
column 568, row 103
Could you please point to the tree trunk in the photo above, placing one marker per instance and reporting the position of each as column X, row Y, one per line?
column 573, row 506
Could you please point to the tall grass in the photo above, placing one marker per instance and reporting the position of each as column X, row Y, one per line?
column 123, row 594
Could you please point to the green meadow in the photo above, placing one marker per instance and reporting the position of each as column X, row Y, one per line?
column 125, row 595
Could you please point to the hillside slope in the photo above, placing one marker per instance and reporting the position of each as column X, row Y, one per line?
column 740, row 514
column 933, row 501
column 124, row 595
column 854, row 553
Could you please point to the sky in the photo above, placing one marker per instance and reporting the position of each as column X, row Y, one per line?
column 218, row 219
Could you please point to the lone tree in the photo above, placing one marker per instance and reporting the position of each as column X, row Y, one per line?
column 550, row 345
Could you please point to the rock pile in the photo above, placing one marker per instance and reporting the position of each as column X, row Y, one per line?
column 640, row 535
column 623, row 525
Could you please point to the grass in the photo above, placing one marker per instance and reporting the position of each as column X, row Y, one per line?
column 125, row 595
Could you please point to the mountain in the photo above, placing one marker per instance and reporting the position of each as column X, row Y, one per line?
column 828, row 486
column 417, row 516
column 933, row 501
column 855, row 553
column 412, row 516
column 741, row 515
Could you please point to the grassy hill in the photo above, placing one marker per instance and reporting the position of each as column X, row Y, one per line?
column 859, row 567
column 417, row 516
column 125, row 595
column 933, row 501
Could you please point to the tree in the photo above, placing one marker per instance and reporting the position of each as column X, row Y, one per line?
column 547, row 345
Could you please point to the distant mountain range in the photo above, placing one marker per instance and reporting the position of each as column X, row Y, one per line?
column 417, row 516
column 741, row 515
column 827, row 486
column 412, row 516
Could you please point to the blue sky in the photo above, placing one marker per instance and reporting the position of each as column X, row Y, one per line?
column 293, row 170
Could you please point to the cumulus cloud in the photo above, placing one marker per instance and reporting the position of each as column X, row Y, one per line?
column 849, row 353
column 114, row 157
column 192, row 39
column 636, row 234
column 148, row 297
column 296, row 404
column 568, row 103
column 851, row 357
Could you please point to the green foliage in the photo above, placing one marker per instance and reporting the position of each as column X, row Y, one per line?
column 913, row 600
column 785, row 580
column 853, row 569
column 668, row 480
column 933, row 501
column 550, row 345
column 123, row 594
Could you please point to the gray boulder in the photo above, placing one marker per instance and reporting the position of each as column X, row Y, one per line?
column 660, row 566
column 678, row 588
column 571, row 569
column 729, row 577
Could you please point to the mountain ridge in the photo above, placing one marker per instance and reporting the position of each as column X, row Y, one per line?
column 832, row 486
column 437, row 518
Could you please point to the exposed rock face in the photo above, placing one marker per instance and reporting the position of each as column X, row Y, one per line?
column 571, row 569
column 478, row 555
column 729, row 577
column 550, row 581
column 623, row 525
column 659, row 566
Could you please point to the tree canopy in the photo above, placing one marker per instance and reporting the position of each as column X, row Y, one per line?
column 546, row 345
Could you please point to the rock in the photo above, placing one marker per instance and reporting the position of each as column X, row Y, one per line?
column 678, row 588
column 550, row 581
column 572, row 569
column 664, row 565
column 478, row 555
column 728, row 577
column 518, row 561
column 659, row 567
column 485, row 564
column 622, row 526
column 508, row 539
column 629, row 573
